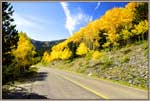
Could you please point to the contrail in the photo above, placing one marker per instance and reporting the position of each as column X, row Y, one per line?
column 97, row 6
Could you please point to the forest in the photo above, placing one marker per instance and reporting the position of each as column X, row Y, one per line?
column 116, row 29
column 113, row 47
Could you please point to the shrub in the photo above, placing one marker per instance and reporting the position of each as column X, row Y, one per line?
column 125, row 59
column 107, row 61
column 89, row 55
column 97, row 55
column 145, row 45
column 146, row 52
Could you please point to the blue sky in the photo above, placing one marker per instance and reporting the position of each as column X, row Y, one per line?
column 46, row 21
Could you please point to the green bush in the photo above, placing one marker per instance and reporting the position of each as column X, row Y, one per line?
column 107, row 62
column 145, row 45
column 125, row 59
column 37, row 59
column 146, row 52
column 7, row 74
column 89, row 55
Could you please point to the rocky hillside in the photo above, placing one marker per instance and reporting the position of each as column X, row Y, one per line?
column 128, row 65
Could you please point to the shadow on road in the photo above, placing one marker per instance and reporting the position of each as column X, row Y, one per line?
column 39, row 76
column 21, row 92
column 22, row 95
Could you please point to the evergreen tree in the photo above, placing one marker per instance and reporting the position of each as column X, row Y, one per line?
column 141, row 12
column 9, row 33
column 9, row 39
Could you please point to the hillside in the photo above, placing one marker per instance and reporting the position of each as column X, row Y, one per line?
column 112, row 47
column 42, row 46
column 127, row 65
column 118, row 27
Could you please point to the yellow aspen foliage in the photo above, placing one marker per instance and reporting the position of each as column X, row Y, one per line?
column 46, row 57
column 82, row 49
column 126, row 34
column 25, row 50
column 91, row 35
column 107, row 44
column 61, row 51
column 131, row 5
column 66, row 54
column 111, row 22
column 55, row 55
column 75, row 38
column 97, row 55
column 116, row 27
column 112, row 35
column 141, row 28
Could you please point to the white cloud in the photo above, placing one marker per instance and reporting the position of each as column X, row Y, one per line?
column 21, row 21
column 37, row 19
column 97, row 6
column 28, row 22
column 72, row 20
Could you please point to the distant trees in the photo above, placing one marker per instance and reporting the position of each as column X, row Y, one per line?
column 9, row 41
column 116, row 28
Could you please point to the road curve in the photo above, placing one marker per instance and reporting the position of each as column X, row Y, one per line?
column 58, row 84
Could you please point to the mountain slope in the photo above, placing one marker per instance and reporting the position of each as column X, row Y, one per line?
column 128, row 65
column 42, row 46
column 118, row 27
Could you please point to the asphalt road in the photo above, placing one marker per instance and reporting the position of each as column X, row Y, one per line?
column 57, row 84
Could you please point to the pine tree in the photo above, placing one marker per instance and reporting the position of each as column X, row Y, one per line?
column 9, row 40
column 9, row 33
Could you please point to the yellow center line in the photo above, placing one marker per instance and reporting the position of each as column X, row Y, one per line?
column 85, row 87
